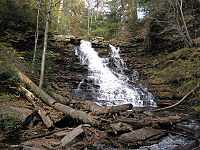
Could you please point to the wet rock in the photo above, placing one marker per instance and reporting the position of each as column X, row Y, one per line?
column 191, row 126
column 171, row 143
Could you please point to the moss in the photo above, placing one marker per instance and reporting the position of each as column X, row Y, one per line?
column 6, row 97
column 8, row 119
column 179, row 70
column 8, row 75
column 197, row 108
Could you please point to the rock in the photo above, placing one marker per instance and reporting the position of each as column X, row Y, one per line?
column 190, row 126
column 138, row 135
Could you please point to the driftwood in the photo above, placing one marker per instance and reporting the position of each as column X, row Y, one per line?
column 179, row 102
column 30, row 96
column 76, row 114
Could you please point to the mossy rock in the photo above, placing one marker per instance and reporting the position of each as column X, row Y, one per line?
column 12, row 117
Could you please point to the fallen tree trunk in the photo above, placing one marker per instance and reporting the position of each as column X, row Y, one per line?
column 92, row 106
column 70, row 136
column 37, row 91
column 88, row 105
column 151, row 121
column 75, row 114
column 114, row 109
column 30, row 96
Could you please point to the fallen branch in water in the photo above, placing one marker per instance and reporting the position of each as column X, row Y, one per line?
column 179, row 102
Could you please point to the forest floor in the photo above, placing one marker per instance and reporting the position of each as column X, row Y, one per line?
column 169, row 79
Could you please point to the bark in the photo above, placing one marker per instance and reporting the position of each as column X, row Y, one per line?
column 45, row 45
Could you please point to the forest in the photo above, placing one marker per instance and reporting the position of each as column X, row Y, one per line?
column 100, row 74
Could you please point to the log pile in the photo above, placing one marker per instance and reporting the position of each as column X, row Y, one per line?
column 94, row 126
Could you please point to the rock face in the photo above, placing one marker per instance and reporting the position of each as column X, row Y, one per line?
column 67, row 72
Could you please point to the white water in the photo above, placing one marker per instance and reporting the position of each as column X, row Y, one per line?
column 110, row 86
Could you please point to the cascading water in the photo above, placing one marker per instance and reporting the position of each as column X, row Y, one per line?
column 106, row 81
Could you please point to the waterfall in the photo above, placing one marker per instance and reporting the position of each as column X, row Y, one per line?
column 106, row 82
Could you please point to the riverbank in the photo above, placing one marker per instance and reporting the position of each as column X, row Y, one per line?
column 64, row 74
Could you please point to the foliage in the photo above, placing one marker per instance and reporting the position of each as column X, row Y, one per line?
column 16, row 15
column 7, row 74
column 8, row 119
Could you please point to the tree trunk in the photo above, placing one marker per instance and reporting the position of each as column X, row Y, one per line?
column 61, row 8
column 30, row 97
column 75, row 114
column 132, row 12
column 36, row 36
column 45, row 45
column 190, row 43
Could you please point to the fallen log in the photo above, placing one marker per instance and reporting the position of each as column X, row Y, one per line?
column 34, row 88
column 114, row 109
column 70, row 136
column 61, row 99
column 120, row 127
column 91, row 106
column 32, row 99
column 88, row 105
column 75, row 114
column 151, row 121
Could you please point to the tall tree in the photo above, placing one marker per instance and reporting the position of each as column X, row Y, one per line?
column 36, row 33
column 45, row 43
